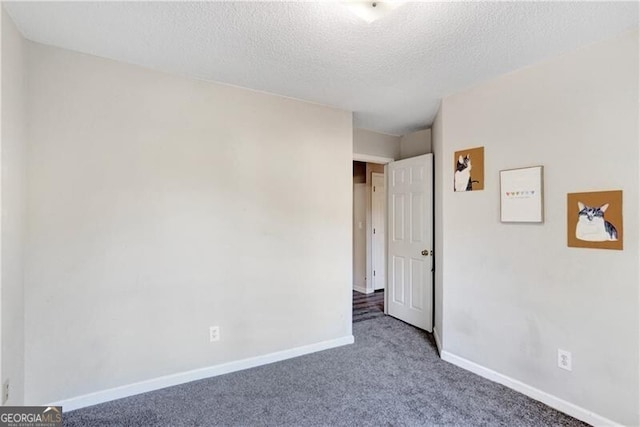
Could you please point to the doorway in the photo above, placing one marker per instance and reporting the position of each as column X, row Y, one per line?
column 378, row 231
column 393, row 213
column 369, row 239
column 369, row 224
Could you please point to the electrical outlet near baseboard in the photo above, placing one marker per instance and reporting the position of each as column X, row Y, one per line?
column 214, row 333
column 5, row 392
column 564, row 359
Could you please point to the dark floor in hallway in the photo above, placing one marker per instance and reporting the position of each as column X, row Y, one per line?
column 368, row 306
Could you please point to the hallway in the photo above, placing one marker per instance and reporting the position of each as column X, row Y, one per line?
column 367, row 306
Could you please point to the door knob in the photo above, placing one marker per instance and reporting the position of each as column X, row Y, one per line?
column 426, row 252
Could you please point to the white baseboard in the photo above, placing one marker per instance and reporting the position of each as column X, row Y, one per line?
column 362, row 290
column 544, row 397
column 437, row 338
column 194, row 375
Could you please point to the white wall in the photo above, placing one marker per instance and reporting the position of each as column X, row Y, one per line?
column 13, row 198
column 514, row 294
column 370, row 169
column 159, row 206
column 359, row 236
column 369, row 143
column 379, row 148
column 415, row 144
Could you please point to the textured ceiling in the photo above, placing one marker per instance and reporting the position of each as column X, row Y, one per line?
column 391, row 73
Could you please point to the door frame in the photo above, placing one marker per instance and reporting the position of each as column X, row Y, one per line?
column 359, row 283
column 368, row 158
column 370, row 266
column 380, row 160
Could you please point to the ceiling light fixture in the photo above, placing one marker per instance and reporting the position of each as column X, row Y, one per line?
column 370, row 11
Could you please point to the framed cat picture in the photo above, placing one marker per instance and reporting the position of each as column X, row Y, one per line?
column 468, row 166
column 594, row 220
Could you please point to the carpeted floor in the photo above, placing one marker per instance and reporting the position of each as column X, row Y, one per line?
column 391, row 376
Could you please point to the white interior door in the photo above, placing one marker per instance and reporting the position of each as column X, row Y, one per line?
column 410, row 256
column 378, row 200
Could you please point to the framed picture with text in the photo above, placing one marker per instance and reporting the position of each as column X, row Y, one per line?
column 521, row 195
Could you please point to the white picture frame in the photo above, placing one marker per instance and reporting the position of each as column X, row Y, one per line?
column 521, row 195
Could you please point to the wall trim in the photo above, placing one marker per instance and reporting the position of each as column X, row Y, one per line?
column 362, row 290
column 537, row 394
column 437, row 338
column 372, row 159
column 196, row 374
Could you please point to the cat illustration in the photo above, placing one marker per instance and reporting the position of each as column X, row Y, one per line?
column 592, row 227
column 462, row 178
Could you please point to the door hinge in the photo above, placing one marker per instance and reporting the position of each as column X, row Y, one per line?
column 374, row 273
column 374, row 188
column 374, row 231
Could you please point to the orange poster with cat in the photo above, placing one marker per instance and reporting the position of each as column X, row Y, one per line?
column 468, row 166
column 594, row 220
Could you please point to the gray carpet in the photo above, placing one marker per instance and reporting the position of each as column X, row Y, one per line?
column 391, row 376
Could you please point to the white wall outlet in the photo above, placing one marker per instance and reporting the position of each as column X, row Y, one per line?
column 214, row 333
column 564, row 359
column 5, row 392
